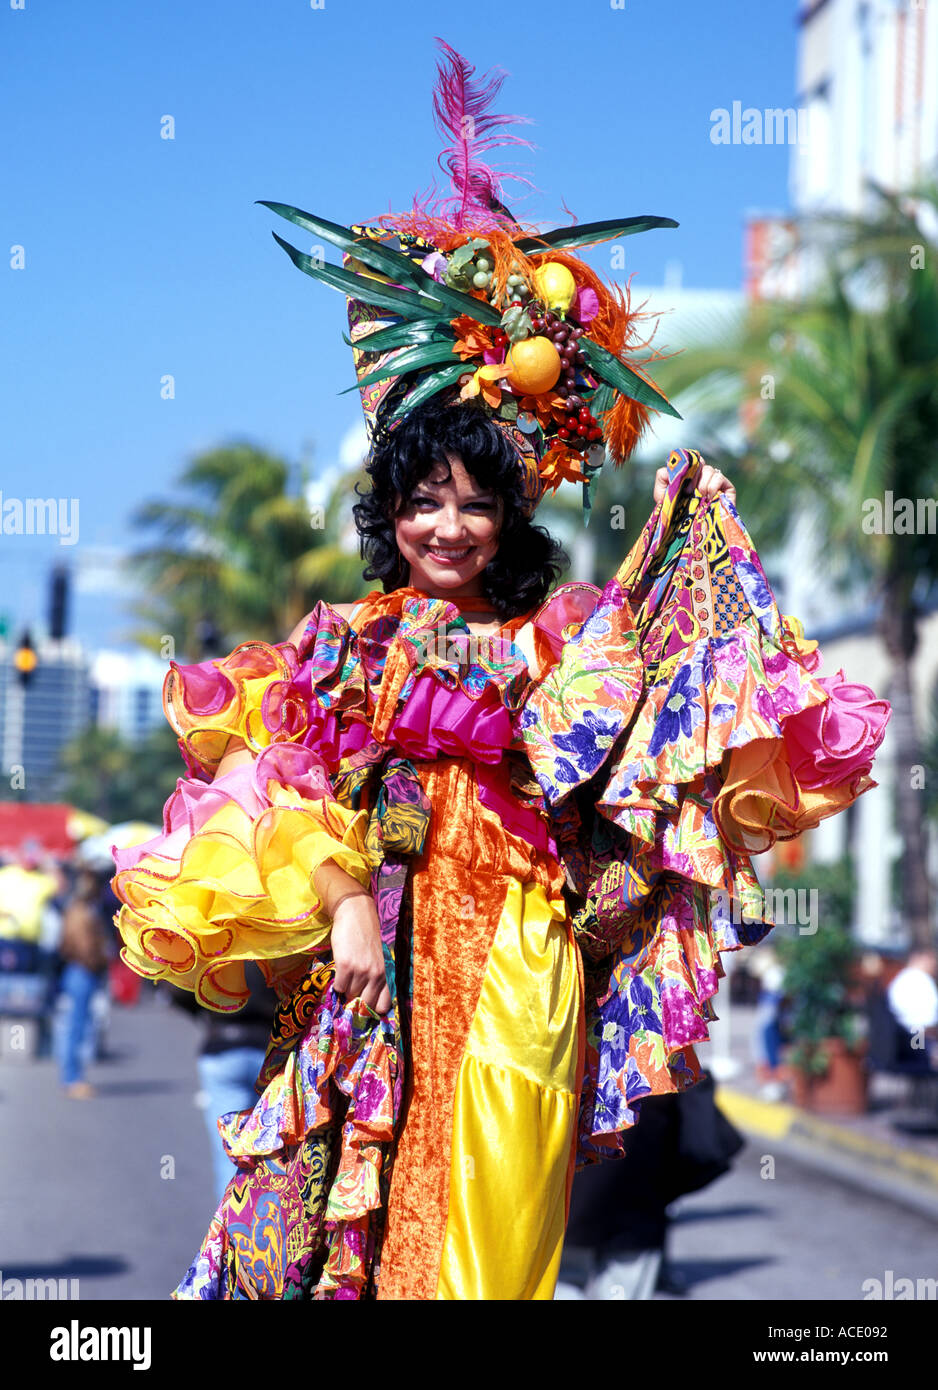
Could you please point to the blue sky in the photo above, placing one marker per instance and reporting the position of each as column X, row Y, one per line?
column 146, row 256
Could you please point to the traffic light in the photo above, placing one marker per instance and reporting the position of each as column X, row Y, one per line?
column 25, row 659
column 58, row 603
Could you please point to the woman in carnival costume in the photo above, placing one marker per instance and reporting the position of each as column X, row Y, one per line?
column 486, row 840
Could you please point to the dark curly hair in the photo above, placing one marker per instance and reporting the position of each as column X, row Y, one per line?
column 528, row 561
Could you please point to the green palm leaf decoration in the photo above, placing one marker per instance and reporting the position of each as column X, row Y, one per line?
column 403, row 335
column 402, row 362
column 407, row 303
column 374, row 253
column 436, row 381
column 591, row 232
column 617, row 374
column 388, row 262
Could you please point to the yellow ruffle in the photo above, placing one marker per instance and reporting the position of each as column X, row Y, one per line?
column 249, row 672
column 241, row 890
column 761, row 801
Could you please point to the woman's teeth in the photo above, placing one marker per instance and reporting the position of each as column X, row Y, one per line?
column 449, row 556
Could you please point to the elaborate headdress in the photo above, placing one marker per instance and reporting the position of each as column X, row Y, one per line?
column 457, row 297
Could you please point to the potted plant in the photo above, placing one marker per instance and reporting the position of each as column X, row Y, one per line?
column 823, row 1022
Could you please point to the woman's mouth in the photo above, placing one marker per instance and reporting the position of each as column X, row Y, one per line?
column 450, row 555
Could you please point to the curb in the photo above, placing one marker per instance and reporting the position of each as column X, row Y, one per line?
column 889, row 1170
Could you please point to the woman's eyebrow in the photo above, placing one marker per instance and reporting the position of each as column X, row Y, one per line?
column 476, row 496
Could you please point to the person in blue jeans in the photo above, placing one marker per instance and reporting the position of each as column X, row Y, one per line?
column 233, row 1049
column 84, row 950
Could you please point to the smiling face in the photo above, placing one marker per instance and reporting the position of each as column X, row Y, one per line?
column 448, row 532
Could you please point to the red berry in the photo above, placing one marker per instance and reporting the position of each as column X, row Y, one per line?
column 596, row 433
column 582, row 430
column 585, row 416
column 563, row 432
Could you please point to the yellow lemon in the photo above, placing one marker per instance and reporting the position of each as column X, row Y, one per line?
column 555, row 284
column 535, row 365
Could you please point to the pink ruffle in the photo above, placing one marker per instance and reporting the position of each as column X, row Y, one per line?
column 195, row 802
column 291, row 709
column 564, row 612
column 437, row 719
column 834, row 742
column 207, row 690
column 494, row 793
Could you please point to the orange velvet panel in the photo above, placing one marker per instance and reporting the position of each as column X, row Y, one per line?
column 459, row 883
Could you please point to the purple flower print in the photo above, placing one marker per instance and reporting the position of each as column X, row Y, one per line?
column 766, row 707
column 751, row 577
column 613, row 1047
column 584, row 740
column 528, row 717
column 370, row 1095
column 565, row 771
column 678, row 713
column 595, row 626
column 643, row 1016
column 729, row 658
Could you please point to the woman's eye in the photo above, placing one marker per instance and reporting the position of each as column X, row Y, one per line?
column 468, row 506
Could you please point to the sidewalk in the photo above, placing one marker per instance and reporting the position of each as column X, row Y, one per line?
column 866, row 1151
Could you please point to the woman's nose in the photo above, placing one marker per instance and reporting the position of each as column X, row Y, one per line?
column 451, row 524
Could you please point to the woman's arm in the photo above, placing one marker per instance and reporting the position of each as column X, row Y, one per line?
column 356, row 933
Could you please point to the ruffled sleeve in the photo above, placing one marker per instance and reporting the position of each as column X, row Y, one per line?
column 230, row 877
column 312, row 694
column 681, row 729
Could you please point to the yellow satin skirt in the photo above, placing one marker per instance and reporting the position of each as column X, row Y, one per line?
column 515, row 1110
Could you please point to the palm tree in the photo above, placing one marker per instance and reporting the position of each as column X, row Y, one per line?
column 239, row 555
column 852, row 415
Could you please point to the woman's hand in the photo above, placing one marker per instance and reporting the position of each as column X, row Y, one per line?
column 358, row 954
column 709, row 481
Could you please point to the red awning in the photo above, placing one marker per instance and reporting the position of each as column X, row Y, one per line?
column 25, row 824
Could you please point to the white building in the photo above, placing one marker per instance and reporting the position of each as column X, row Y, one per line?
column 37, row 719
column 127, row 692
column 868, row 80
column 867, row 76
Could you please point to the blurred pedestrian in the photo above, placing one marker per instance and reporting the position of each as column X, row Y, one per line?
column 767, row 1025
column 913, row 998
column 231, row 1056
column 25, row 890
column 615, row 1243
column 84, row 950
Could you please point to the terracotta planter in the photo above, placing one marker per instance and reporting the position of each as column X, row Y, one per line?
column 842, row 1090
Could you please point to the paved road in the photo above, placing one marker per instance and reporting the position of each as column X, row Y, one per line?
column 85, row 1186
column 798, row 1235
column 85, row 1191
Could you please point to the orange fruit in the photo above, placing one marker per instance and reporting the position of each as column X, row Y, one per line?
column 535, row 365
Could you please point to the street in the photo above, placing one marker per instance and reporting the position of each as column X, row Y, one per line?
column 116, row 1191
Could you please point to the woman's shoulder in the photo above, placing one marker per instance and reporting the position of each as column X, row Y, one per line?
column 344, row 610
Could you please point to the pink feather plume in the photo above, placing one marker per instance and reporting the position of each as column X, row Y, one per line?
column 460, row 109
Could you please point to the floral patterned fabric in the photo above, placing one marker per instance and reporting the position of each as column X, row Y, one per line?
column 682, row 730
column 675, row 728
